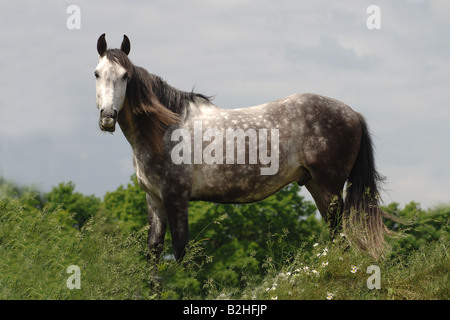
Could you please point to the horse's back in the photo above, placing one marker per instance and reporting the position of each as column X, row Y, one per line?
column 306, row 125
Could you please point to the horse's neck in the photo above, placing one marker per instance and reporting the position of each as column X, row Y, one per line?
column 169, row 106
column 139, row 130
column 127, row 123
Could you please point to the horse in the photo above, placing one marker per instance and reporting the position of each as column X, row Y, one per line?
column 183, row 149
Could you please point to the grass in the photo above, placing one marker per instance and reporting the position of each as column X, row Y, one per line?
column 336, row 272
column 36, row 250
column 37, row 247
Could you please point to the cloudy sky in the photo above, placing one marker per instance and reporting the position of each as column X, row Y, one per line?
column 243, row 52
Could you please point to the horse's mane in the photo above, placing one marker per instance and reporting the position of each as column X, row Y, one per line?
column 155, row 104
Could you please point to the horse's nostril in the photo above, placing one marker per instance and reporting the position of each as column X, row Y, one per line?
column 104, row 113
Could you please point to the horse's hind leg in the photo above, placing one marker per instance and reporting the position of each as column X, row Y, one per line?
column 329, row 201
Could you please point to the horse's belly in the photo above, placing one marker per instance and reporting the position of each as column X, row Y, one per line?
column 238, row 186
column 235, row 194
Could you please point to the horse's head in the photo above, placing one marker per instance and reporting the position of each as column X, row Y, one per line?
column 112, row 74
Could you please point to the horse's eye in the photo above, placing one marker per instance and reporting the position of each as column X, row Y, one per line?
column 96, row 74
column 125, row 76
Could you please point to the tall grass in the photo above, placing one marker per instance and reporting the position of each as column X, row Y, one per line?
column 36, row 249
column 37, row 246
column 335, row 271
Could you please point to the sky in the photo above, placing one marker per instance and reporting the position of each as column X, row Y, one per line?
column 244, row 53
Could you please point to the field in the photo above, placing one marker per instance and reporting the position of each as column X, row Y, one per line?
column 231, row 255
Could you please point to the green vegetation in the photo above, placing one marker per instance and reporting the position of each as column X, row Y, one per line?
column 273, row 249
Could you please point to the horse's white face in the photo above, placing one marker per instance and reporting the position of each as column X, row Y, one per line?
column 111, row 85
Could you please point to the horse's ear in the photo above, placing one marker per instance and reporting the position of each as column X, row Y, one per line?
column 101, row 45
column 125, row 47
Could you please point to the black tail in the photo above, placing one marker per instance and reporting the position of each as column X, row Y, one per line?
column 362, row 218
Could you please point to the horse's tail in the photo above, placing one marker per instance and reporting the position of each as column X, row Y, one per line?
column 362, row 217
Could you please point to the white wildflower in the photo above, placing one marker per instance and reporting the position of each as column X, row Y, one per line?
column 272, row 288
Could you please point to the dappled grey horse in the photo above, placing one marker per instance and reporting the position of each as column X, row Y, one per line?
column 185, row 148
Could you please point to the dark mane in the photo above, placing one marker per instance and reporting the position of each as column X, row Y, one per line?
column 173, row 99
column 145, row 84
column 156, row 104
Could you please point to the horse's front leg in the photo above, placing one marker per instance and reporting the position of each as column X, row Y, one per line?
column 177, row 213
column 157, row 220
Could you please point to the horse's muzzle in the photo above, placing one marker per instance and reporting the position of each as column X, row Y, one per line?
column 107, row 124
column 108, row 121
